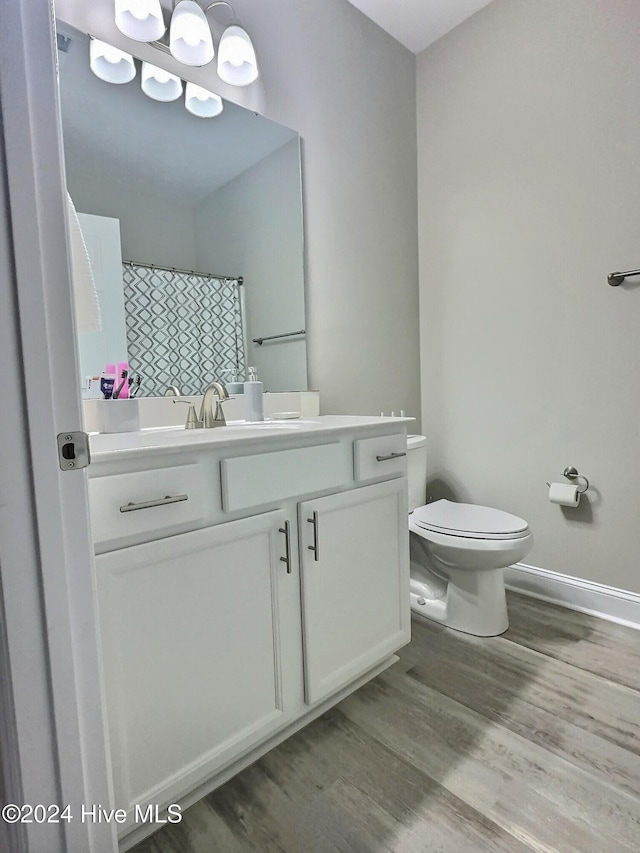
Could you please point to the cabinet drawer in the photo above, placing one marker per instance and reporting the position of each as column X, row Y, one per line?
column 132, row 508
column 249, row 481
column 383, row 456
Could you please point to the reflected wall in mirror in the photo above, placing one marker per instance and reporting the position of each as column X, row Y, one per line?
column 162, row 188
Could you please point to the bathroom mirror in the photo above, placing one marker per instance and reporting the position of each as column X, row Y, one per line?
column 159, row 187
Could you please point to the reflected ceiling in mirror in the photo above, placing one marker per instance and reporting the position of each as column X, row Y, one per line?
column 219, row 196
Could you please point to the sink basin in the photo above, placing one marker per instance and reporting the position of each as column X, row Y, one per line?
column 298, row 423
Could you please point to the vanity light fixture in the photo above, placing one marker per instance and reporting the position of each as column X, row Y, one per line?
column 140, row 19
column 190, row 40
column 202, row 103
column 115, row 66
column 110, row 63
column 159, row 84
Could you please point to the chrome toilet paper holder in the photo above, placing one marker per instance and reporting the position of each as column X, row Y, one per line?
column 571, row 473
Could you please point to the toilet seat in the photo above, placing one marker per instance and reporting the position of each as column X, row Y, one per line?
column 469, row 521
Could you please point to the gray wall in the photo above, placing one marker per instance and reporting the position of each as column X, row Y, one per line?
column 529, row 194
column 349, row 90
column 151, row 229
column 237, row 231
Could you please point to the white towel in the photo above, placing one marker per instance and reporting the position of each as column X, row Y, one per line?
column 84, row 286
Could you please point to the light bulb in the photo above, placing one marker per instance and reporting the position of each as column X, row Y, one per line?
column 237, row 63
column 140, row 19
column 159, row 84
column 202, row 103
column 190, row 40
column 110, row 63
column 111, row 54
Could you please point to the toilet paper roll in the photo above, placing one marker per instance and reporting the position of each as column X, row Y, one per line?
column 564, row 494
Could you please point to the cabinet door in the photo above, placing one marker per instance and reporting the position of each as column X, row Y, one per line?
column 198, row 653
column 355, row 583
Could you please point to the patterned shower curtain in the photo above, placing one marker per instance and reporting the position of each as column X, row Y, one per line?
column 183, row 328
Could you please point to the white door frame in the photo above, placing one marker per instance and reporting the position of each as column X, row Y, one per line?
column 52, row 728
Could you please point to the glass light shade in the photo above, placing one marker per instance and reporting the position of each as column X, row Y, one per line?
column 109, row 63
column 190, row 40
column 237, row 63
column 140, row 19
column 160, row 84
column 202, row 103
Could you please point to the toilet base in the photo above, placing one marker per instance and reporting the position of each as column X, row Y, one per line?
column 475, row 603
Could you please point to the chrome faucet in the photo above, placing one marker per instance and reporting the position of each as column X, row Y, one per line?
column 172, row 391
column 208, row 417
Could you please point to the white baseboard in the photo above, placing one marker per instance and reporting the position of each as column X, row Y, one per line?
column 607, row 602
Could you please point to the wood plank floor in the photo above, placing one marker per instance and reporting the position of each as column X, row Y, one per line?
column 529, row 741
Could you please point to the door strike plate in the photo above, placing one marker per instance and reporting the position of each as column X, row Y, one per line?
column 73, row 450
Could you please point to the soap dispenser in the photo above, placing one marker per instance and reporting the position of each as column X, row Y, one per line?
column 253, row 403
column 235, row 385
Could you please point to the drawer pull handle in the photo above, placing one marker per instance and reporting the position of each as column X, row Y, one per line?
column 316, row 545
column 287, row 546
column 390, row 456
column 168, row 499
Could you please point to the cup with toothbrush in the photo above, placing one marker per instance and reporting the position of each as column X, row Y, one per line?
column 120, row 411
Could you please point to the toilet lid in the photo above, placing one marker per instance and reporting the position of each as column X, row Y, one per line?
column 414, row 441
column 469, row 520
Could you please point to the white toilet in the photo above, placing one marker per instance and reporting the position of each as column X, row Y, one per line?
column 458, row 553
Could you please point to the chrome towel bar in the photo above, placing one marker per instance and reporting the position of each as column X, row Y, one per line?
column 260, row 341
column 616, row 278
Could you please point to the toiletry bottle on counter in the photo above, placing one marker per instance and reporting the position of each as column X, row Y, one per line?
column 107, row 381
column 253, row 403
column 91, row 388
column 235, row 385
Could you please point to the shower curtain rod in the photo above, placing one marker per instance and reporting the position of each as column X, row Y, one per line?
column 237, row 278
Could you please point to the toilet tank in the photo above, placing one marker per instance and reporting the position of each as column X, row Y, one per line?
column 417, row 470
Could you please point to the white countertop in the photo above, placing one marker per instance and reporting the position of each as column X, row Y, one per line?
column 109, row 446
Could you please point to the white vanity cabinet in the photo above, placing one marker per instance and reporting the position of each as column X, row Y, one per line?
column 199, row 637
column 241, row 591
column 354, row 609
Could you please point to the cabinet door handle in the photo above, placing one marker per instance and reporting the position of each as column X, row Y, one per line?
column 287, row 546
column 390, row 456
column 168, row 499
column 316, row 544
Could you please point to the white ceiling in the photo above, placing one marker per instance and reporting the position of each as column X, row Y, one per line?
column 418, row 23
